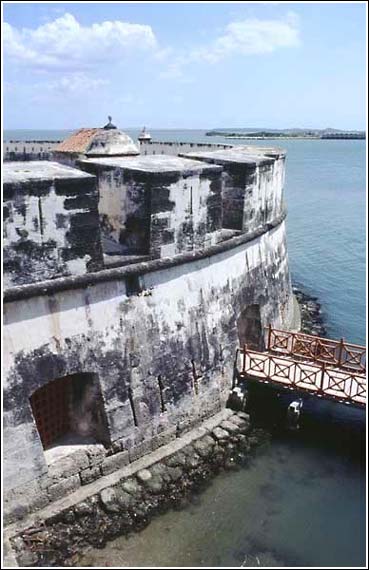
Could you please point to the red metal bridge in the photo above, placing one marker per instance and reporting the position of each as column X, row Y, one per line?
column 327, row 368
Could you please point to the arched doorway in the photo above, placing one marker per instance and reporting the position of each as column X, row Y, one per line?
column 70, row 410
column 249, row 327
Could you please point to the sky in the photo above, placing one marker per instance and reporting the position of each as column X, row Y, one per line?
column 184, row 65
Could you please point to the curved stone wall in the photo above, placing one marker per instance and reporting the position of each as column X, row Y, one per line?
column 149, row 347
column 177, row 323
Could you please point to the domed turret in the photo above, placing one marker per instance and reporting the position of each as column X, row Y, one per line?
column 87, row 143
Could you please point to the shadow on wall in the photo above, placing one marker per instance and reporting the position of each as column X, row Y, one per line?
column 70, row 409
column 249, row 328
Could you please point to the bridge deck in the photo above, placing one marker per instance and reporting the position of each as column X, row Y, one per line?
column 323, row 379
column 341, row 354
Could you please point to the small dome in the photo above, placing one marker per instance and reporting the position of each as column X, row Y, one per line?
column 111, row 142
column 106, row 141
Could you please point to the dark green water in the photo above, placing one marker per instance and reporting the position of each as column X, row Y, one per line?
column 298, row 503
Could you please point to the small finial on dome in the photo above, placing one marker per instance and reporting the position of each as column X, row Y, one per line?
column 110, row 125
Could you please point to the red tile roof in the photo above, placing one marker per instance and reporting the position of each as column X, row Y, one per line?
column 78, row 142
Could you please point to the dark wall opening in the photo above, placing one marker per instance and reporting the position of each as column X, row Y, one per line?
column 70, row 410
column 250, row 329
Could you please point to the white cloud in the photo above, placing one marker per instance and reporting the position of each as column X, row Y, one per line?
column 174, row 70
column 60, row 88
column 246, row 37
column 64, row 44
column 75, row 83
column 251, row 36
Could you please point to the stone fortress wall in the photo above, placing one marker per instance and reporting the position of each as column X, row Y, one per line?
column 43, row 150
column 146, row 348
column 177, row 147
column 28, row 150
column 50, row 217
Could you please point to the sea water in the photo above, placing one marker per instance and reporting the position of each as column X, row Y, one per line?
column 301, row 500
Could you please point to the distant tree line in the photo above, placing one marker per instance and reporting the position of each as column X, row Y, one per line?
column 289, row 134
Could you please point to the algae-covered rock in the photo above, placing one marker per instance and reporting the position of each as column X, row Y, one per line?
column 230, row 427
column 84, row 508
column 125, row 500
column 109, row 500
column 144, row 475
column 220, row 434
column 162, row 471
column 175, row 473
column 155, row 484
column 204, row 446
column 132, row 487
column 177, row 460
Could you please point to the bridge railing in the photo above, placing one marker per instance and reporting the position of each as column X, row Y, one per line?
column 341, row 354
column 320, row 379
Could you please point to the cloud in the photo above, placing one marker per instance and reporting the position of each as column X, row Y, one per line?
column 174, row 70
column 251, row 36
column 76, row 53
column 75, row 83
column 61, row 88
column 65, row 45
column 246, row 37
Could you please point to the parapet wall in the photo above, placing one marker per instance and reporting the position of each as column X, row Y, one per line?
column 51, row 222
column 28, row 150
column 158, row 205
column 175, row 148
column 44, row 150
column 253, row 182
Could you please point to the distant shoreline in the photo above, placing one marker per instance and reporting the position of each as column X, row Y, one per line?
column 266, row 137
column 288, row 136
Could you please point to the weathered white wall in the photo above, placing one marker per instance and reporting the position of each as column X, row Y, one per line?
column 121, row 198
column 184, row 315
column 47, row 211
column 264, row 197
column 253, row 181
column 191, row 221
column 158, row 205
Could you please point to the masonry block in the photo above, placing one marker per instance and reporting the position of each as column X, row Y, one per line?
column 64, row 487
column 140, row 450
column 115, row 462
column 90, row 474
